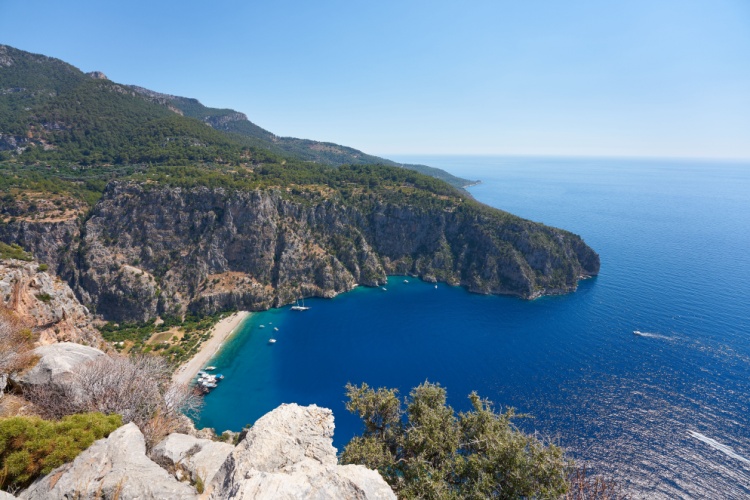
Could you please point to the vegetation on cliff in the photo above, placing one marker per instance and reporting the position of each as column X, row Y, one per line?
column 52, row 113
column 31, row 447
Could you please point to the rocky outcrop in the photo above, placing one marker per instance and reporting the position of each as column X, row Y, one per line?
column 45, row 303
column 115, row 467
column 57, row 362
column 151, row 250
column 188, row 456
column 288, row 454
column 97, row 75
column 221, row 121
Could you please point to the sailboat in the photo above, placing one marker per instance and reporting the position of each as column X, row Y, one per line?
column 297, row 307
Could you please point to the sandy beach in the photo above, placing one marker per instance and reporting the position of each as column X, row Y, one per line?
column 220, row 332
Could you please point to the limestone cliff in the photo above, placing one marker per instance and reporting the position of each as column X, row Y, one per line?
column 149, row 250
column 45, row 303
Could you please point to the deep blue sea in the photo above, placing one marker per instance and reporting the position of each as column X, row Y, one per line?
column 666, row 414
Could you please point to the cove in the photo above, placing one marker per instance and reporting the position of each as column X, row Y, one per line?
column 656, row 411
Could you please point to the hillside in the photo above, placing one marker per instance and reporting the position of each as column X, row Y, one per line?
column 52, row 112
column 145, row 210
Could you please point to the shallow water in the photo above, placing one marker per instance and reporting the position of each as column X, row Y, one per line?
column 665, row 412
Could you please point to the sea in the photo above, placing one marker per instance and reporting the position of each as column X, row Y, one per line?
column 665, row 412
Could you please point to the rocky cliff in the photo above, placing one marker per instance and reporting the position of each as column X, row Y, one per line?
column 153, row 250
column 148, row 250
column 45, row 303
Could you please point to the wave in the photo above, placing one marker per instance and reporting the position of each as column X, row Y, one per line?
column 727, row 450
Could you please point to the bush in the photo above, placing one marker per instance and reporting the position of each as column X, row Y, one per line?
column 140, row 389
column 428, row 451
column 16, row 343
column 30, row 446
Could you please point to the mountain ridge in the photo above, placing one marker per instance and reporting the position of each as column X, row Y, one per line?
column 147, row 212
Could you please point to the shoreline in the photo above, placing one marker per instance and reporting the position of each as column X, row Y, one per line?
column 219, row 333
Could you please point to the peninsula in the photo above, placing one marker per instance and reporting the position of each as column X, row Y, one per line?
column 150, row 205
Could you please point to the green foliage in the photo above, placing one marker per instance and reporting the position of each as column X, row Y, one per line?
column 42, row 268
column 44, row 297
column 195, row 328
column 13, row 251
column 427, row 451
column 30, row 446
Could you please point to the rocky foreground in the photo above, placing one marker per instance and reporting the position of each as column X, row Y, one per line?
column 288, row 453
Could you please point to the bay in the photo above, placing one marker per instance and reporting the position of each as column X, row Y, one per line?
column 664, row 413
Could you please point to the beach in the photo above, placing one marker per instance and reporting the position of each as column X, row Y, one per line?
column 220, row 332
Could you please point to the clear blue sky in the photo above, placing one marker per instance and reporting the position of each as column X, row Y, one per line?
column 600, row 77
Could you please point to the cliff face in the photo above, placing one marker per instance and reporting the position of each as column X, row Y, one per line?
column 45, row 303
column 149, row 250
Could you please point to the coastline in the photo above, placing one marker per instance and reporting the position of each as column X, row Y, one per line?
column 219, row 333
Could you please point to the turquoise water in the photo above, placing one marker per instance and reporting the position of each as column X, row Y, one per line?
column 666, row 413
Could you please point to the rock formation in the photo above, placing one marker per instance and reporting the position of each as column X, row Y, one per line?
column 45, row 303
column 115, row 467
column 148, row 251
column 288, row 454
column 57, row 362
column 188, row 456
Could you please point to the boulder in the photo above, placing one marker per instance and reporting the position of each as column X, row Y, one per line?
column 57, row 361
column 115, row 467
column 4, row 495
column 199, row 458
column 288, row 453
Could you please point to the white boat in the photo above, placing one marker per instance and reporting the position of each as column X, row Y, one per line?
column 262, row 326
column 406, row 281
column 275, row 329
column 297, row 307
column 636, row 332
column 384, row 289
column 272, row 341
column 435, row 286
column 209, row 368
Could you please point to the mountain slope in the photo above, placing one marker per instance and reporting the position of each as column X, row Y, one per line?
column 51, row 111
column 147, row 211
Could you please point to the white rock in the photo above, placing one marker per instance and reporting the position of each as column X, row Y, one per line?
column 288, row 454
column 115, row 467
column 56, row 361
column 199, row 457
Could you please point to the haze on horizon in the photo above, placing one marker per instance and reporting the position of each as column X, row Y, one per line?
column 580, row 78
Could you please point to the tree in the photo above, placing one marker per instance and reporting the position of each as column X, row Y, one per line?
column 428, row 451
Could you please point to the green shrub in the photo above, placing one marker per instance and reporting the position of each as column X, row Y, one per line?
column 13, row 251
column 427, row 451
column 44, row 297
column 42, row 268
column 31, row 447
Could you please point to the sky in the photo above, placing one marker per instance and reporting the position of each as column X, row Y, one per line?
column 646, row 78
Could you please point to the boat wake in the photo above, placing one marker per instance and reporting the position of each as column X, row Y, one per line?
column 651, row 335
column 727, row 450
